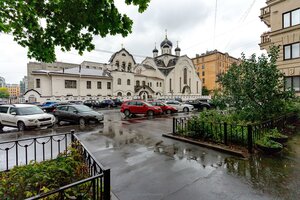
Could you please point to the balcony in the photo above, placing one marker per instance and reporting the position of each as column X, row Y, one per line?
column 265, row 15
column 265, row 40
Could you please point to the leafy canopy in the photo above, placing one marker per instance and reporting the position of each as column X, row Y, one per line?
column 4, row 93
column 41, row 25
column 255, row 88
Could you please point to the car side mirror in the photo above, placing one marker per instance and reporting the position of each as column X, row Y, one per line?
column 13, row 113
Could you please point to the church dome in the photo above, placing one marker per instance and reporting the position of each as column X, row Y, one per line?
column 166, row 41
column 155, row 50
column 177, row 49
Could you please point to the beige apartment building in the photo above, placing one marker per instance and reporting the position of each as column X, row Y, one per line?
column 13, row 90
column 210, row 65
column 283, row 19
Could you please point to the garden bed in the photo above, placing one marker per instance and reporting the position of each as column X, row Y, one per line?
column 29, row 180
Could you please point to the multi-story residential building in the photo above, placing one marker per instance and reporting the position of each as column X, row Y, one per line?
column 210, row 65
column 2, row 82
column 23, row 85
column 162, row 75
column 283, row 19
column 14, row 90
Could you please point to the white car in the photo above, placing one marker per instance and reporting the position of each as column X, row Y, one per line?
column 180, row 106
column 24, row 116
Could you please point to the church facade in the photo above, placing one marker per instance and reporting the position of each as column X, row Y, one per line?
column 162, row 76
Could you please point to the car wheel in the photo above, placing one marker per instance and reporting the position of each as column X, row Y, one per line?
column 150, row 113
column 21, row 126
column 82, row 122
column 168, row 112
column 185, row 109
column 127, row 113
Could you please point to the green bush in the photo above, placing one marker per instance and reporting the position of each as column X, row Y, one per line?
column 275, row 134
column 267, row 142
column 29, row 180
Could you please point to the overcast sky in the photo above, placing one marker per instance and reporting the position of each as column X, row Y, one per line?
column 191, row 22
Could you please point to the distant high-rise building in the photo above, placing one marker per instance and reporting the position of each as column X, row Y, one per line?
column 23, row 85
column 2, row 82
column 283, row 19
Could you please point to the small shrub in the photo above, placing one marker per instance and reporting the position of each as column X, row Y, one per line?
column 267, row 142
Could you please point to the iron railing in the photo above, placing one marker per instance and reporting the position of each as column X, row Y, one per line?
column 228, row 134
column 20, row 152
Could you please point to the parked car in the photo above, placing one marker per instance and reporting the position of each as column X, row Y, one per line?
column 91, row 103
column 139, row 107
column 165, row 108
column 200, row 105
column 24, row 116
column 51, row 107
column 107, row 103
column 118, row 102
column 75, row 102
column 180, row 106
column 80, row 114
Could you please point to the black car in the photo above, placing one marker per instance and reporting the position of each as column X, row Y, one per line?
column 91, row 103
column 76, row 102
column 77, row 113
column 50, row 107
column 200, row 105
column 118, row 102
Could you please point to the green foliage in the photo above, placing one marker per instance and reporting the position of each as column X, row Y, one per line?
column 218, row 100
column 275, row 134
column 255, row 88
column 267, row 142
column 4, row 93
column 42, row 25
column 29, row 180
column 205, row 91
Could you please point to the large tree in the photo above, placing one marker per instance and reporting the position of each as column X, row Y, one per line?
column 41, row 25
column 4, row 93
column 256, row 87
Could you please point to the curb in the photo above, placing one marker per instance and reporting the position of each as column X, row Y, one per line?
column 207, row 145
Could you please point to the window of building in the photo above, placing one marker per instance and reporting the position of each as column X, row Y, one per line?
column 291, row 18
column 292, row 82
column 99, row 84
column 197, row 87
column 88, row 84
column 291, row 51
column 119, row 94
column 70, row 84
column 117, row 63
column 190, row 82
column 203, row 80
column 108, row 85
column 170, row 85
column 150, row 84
column 185, row 76
column 203, row 67
column 156, row 84
column 87, row 67
column 123, row 66
column 38, row 83
column 128, row 94
column 137, row 83
column 160, row 84
column 144, row 83
column 180, row 84
column 203, row 73
column 128, row 81
column 119, row 81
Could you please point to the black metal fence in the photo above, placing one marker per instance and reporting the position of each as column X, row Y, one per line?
column 228, row 134
column 21, row 152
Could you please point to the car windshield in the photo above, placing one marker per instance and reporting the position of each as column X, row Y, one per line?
column 82, row 108
column 34, row 110
column 148, row 104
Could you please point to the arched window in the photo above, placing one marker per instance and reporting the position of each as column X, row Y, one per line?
column 185, row 76
column 129, row 68
column 119, row 94
column 128, row 81
column 144, row 83
column 123, row 66
column 156, row 84
column 160, row 84
column 128, row 94
column 117, row 63
column 119, row 81
column 137, row 83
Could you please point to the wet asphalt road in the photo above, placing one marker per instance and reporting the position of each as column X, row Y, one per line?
column 145, row 165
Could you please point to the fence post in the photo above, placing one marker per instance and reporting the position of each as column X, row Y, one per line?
column 174, row 125
column 72, row 135
column 106, row 175
column 250, row 139
column 225, row 134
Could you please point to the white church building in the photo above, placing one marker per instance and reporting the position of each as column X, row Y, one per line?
column 166, row 75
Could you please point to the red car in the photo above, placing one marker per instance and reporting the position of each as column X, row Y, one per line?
column 165, row 108
column 139, row 107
